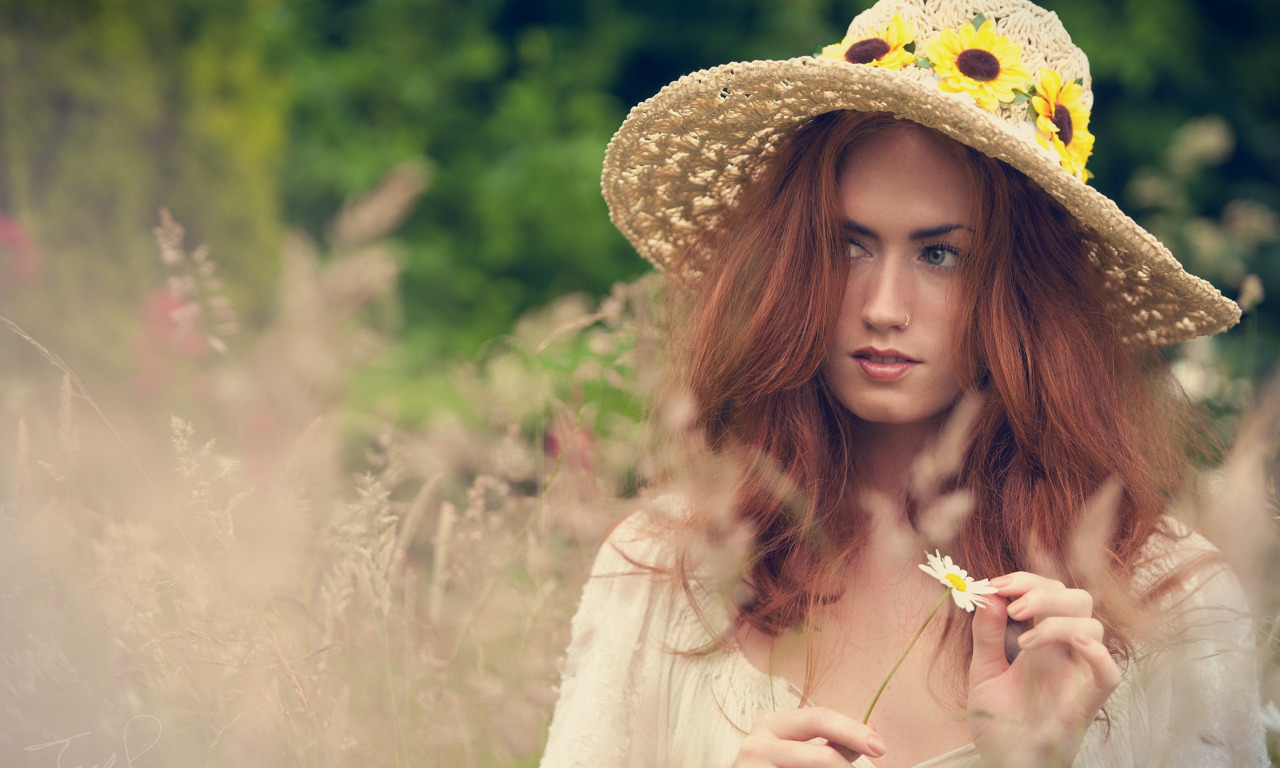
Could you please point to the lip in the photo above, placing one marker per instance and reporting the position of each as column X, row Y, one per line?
column 884, row 371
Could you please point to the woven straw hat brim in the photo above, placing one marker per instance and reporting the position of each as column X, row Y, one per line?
column 681, row 157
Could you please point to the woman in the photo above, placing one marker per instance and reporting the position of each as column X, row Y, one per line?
column 904, row 321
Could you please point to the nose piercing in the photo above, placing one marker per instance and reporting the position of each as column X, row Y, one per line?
column 906, row 322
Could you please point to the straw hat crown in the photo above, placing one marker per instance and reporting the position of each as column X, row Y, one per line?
column 1002, row 77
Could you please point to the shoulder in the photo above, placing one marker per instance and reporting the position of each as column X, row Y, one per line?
column 1195, row 605
column 652, row 571
column 644, row 540
column 1202, row 641
column 1191, row 595
column 1178, row 567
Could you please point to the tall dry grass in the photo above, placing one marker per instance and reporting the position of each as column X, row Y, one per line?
column 315, row 586
column 276, row 579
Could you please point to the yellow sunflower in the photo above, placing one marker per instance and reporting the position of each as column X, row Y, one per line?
column 978, row 62
column 884, row 48
column 1062, row 122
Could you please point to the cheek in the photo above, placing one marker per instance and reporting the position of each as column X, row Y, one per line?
column 950, row 321
column 953, row 318
column 847, row 315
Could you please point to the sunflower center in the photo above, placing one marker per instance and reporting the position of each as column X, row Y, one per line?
column 956, row 582
column 1062, row 119
column 978, row 64
column 866, row 51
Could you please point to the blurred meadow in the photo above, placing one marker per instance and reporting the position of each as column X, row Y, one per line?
column 323, row 372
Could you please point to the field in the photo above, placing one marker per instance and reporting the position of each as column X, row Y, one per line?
column 229, row 560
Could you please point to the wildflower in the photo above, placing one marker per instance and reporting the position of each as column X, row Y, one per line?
column 19, row 259
column 979, row 62
column 882, row 48
column 1062, row 122
column 966, row 592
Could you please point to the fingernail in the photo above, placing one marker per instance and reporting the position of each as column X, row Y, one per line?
column 1026, row 638
column 876, row 746
column 1000, row 581
column 1017, row 606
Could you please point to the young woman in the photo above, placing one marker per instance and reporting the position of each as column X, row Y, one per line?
column 905, row 322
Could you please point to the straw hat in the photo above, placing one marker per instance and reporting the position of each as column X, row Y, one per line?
column 1001, row 76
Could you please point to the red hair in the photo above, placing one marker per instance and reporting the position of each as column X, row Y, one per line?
column 1064, row 405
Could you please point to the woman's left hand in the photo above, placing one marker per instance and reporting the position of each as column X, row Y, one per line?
column 1035, row 711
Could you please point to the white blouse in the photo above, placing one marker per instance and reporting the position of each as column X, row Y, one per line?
column 629, row 697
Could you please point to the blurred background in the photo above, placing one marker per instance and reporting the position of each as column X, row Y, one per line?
column 324, row 370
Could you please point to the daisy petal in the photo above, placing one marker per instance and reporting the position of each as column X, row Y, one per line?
column 967, row 593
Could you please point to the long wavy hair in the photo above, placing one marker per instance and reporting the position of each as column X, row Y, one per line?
column 1061, row 408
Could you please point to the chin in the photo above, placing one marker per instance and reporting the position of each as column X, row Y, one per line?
column 896, row 419
column 899, row 415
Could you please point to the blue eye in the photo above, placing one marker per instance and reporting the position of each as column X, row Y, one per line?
column 941, row 256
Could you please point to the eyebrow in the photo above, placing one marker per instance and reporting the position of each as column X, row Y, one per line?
column 919, row 234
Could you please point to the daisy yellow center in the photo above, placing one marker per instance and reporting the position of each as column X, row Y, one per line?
column 1062, row 119
column 956, row 582
column 978, row 64
column 866, row 51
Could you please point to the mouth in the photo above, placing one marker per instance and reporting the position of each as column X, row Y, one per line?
column 883, row 356
column 884, row 365
column 884, row 360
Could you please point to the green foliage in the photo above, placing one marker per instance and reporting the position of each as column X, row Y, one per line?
column 516, row 122
column 110, row 110
column 246, row 114
column 515, row 101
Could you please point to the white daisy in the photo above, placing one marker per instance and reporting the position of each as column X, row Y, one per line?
column 967, row 593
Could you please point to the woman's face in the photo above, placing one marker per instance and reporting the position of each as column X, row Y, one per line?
column 906, row 203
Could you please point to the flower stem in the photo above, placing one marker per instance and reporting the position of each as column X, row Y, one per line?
column 945, row 594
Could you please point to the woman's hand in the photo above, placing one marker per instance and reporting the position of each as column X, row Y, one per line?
column 1035, row 711
column 781, row 739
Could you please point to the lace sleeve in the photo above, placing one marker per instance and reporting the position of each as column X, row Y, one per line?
column 1203, row 685
column 606, row 713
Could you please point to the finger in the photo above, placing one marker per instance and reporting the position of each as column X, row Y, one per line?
column 1061, row 629
column 988, row 660
column 1018, row 583
column 1106, row 674
column 807, row 723
column 761, row 750
column 1051, row 600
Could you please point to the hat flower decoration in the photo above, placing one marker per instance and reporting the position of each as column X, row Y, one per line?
column 890, row 47
column 975, row 59
column 1001, row 76
column 1062, row 120
column 978, row 61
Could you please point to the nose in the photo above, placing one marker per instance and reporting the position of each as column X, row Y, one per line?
column 885, row 293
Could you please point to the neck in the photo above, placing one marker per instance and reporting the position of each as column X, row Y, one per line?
column 891, row 452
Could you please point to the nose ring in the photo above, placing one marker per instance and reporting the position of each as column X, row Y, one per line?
column 906, row 322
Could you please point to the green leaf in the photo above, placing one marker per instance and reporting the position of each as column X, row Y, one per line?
column 978, row 21
column 1031, row 110
column 1079, row 81
column 923, row 62
column 1020, row 97
column 910, row 47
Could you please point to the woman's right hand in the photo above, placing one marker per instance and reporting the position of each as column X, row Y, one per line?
column 782, row 740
